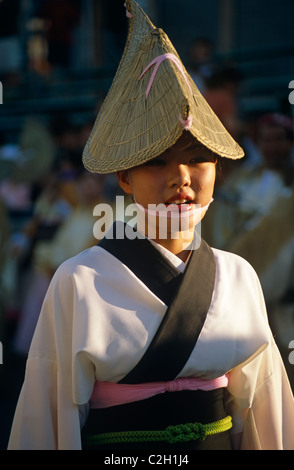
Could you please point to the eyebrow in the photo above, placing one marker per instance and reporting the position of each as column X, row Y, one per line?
column 199, row 146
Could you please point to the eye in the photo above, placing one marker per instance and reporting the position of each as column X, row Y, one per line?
column 199, row 159
column 202, row 159
column 155, row 162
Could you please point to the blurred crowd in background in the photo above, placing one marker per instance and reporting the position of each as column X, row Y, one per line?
column 47, row 201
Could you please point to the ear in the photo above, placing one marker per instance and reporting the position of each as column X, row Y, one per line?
column 124, row 181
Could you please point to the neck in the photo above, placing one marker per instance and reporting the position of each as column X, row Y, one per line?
column 177, row 242
column 175, row 233
column 180, row 246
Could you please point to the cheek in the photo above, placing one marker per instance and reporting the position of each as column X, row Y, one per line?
column 204, row 183
column 144, row 188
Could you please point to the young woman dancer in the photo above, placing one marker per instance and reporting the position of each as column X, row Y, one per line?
column 152, row 339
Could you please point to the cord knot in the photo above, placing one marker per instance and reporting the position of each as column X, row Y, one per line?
column 185, row 432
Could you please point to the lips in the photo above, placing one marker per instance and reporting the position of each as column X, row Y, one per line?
column 179, row 199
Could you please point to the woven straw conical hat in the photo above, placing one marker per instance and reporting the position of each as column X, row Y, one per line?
column 151, row 102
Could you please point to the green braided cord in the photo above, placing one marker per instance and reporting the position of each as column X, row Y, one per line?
column 171, row 434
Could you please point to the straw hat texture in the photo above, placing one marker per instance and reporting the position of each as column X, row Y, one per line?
column 151, row 102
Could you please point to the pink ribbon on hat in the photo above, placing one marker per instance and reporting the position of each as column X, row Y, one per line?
column 187, row 123
column 106, row 394
column 157, row 61
column 128, row 13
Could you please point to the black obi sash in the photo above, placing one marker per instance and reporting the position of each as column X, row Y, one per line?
column 156, row 413
column 187, row 295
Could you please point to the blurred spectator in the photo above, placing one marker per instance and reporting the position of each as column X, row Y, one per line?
column 62, row 17
column 275, row 139
column 249, row 193
column 14, row 192
column 221, row 93
column 252, row 216
column 70, row 139
column 200, row 61
column 37, row 47
column 49, row 212
column 269, row 247
column 16, row 195
column 73, row 235
column 4, row 244
column 253, row 155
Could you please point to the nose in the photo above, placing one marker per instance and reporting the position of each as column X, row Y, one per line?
column 179, row 176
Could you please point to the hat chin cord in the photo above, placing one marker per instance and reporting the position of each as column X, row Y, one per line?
column 174, row 211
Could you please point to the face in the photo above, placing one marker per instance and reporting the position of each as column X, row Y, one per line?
column 183, row 175
column 275, row 146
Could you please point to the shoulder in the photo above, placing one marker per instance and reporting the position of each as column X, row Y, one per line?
column 233, row 265
column 238, row 286
column 80, row 259
column 93, row 259
column 95, row 264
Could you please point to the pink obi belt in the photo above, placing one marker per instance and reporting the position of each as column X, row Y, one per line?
column 106, row 394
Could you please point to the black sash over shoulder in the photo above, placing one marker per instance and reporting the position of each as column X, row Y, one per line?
column 188, row 297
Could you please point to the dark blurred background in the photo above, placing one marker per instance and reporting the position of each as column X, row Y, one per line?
column 57, row 61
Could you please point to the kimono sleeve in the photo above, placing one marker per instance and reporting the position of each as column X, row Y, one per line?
column 262, row 401
column 46, row 418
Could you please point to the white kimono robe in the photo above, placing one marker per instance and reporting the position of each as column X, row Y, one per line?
column 97, row 321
